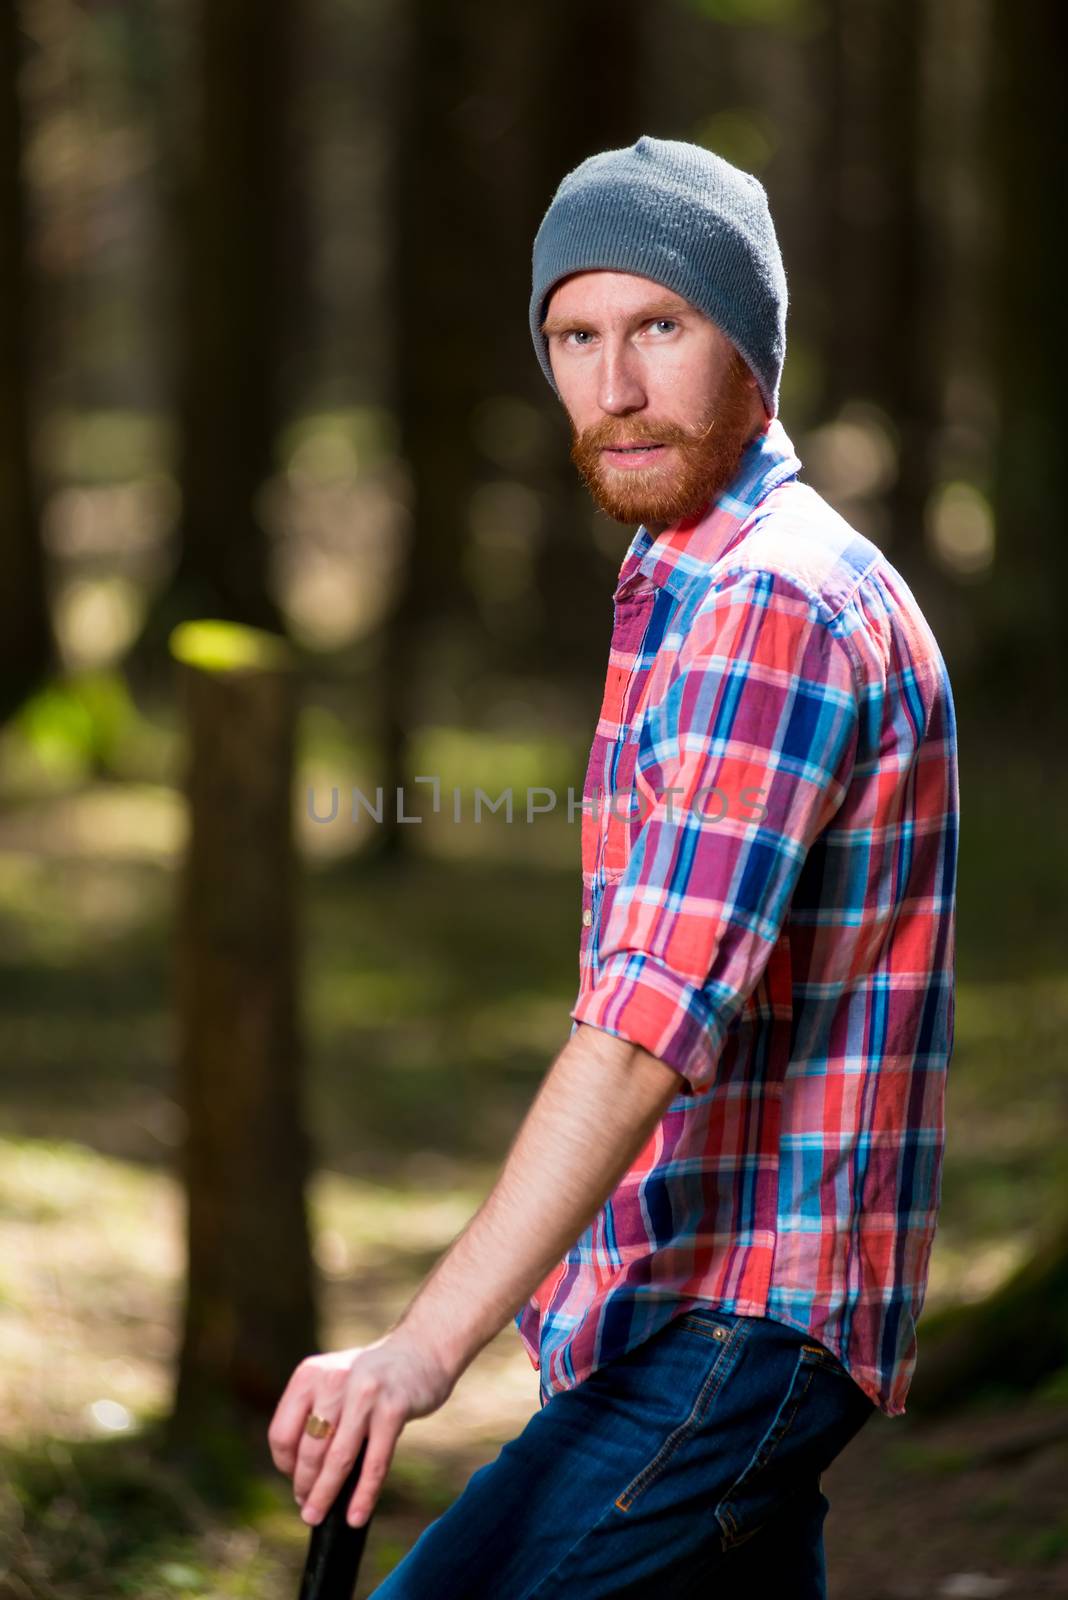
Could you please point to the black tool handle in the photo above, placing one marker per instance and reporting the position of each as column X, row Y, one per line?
column 335, row 1547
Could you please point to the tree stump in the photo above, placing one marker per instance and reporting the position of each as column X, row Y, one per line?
column 250, row 1313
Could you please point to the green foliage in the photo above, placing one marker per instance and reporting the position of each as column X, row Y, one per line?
column 94, row 1519
column 468, row 758
column 1037, row 1546
column 416, row 1480
column 216, row 645
column 1055, row 1389
column 918, row 1456
column 743, row 135
column 107, row 446
column 796, row 16
column 78, row 724
column 326, row 445
column 95, row 1513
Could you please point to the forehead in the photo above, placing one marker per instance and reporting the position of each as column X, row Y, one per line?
column 605, row 293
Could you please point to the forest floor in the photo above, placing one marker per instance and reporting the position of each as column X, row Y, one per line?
column 971, row 1506
column 436, row 996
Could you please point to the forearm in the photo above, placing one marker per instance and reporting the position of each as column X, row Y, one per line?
column 594, row 1111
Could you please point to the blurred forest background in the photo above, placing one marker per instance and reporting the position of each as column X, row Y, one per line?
column 266, row 372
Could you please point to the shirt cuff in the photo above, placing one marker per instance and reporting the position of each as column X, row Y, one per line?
column 638, row 998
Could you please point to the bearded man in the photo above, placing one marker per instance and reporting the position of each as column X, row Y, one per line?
column 713, row 1227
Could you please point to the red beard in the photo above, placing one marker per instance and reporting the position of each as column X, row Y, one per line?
column 706, row 458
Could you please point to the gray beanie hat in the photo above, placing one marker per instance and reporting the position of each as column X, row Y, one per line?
column 689, row 220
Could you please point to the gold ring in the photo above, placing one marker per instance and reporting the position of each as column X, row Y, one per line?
column 318, row 1427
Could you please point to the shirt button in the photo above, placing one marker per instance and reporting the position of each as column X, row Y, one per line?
column 587, row 917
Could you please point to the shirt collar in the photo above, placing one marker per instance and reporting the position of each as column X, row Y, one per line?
column 672, row 558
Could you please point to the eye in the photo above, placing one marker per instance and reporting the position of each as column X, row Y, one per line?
column 579, row 334
column 665, row 322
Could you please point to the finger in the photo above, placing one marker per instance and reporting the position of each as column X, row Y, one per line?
column 362, row 1423
column 385, row 1430
column 287, row 1425
column 334, row 1465
column 310, row 1457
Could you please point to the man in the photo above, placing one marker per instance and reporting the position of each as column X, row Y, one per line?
column 713, row 1226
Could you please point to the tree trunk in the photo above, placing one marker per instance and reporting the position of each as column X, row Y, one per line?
column 250, row 1307
column 440, row 263
column 1023, row 647
column 27, row 645
column 910, row 353
column 239, row 237
column 477, row 162
column 887, row 227
column 570, row 574
column 851, row 202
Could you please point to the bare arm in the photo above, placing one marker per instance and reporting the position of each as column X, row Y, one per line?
column 594, row 1111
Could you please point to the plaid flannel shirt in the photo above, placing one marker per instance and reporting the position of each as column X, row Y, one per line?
column 769, row 839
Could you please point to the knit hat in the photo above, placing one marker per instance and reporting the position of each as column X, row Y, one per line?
column 686, row 218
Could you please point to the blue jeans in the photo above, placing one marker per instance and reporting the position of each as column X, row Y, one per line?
column 688, row 1467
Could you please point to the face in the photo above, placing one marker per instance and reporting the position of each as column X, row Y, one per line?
column 660, row 402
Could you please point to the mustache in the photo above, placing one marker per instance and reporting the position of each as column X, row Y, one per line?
column 612, row 432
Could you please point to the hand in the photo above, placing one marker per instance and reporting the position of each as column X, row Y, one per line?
column 367, row 1392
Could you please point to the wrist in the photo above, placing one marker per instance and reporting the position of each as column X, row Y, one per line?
column 441, row 1336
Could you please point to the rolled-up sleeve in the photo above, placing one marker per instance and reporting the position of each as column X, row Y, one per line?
column 740, row 767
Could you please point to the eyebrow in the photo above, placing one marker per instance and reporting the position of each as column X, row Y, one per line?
column 648, row 313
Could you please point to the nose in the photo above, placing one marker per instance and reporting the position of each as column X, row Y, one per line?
column 620, row 388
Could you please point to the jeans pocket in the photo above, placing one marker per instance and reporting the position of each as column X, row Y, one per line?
column 724, row 1350
column 708, row 1321
column 820, row 1410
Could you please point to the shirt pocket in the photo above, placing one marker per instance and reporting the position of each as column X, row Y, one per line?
column 609, row 810
column 620, row 810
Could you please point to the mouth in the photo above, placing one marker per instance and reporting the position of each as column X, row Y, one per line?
column 627, row 456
